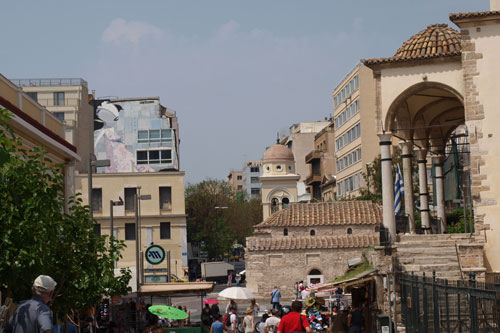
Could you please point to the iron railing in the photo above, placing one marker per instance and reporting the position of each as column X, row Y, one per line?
column 436, row 305
column 49, row 82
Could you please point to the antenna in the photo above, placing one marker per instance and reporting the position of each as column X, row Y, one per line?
column 278, row 137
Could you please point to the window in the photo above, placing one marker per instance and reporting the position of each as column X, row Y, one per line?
column 97, row 229
column 166, row 197
column 154, row 156
column 254, row 169
column 129, row 231
column 130, row 199
column 239, row 177
column 274, row 205
column 285, row 232
column 240, row 187
column 254, row 180
column 59, row 115
column 312, row 232
column 348, row 136
column 59, row 99
column 348, row 89
column 349, row 231
column 279, row 167
column 154, row 136
column 33, row 95
column 164, row 230
column 97, row 199
column 285, row 202
column 254, row 191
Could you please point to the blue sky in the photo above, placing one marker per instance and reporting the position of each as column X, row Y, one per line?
column 236, row 72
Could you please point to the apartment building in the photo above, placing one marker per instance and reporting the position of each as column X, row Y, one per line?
column 252, row 186
column 301, row 142
column 37, row 127
column 140, row 138
column 356, row 142
column 235, row 181
column 67, row 99
column 322, row 162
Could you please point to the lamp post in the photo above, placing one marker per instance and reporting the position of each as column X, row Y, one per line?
column 93, row 162
column 216, row 219
column 111, row 205
column 138, row 272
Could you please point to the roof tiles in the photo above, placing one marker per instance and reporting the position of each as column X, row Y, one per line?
column 437, row 40
column 325, row 214
column 311, row 242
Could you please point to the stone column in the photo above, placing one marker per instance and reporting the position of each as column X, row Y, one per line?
column 406, row 156
column 423, row 192
column 440, row 202
column 387, row 184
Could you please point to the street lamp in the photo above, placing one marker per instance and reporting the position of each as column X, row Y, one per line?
column 138, row 272
column 93, row 162
column 216, row 218
column 138, row 198
column 111, row 205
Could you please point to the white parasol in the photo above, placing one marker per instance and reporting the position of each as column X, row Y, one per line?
column 237, row 293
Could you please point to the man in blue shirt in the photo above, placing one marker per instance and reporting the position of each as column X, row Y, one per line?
column 218, row 326
column 275, row 298
column 33, row 316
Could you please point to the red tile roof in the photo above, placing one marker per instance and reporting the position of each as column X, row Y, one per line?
column 436, row 41
column 458, row 16
column 311, row 242
column 325, row 214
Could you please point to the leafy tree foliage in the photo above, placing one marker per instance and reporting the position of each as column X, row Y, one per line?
column 218, row 228
column 38, row 237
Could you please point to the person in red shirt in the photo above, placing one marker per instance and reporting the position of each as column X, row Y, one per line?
column 294, row 321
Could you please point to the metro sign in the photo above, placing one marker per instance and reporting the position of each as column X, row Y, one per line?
column 155, row 254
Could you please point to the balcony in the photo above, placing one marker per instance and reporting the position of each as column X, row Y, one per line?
column 312, row 179
column 313, row 155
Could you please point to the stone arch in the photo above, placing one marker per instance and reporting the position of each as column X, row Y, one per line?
column 400, row 101
column 315, row 271
column 275, row 194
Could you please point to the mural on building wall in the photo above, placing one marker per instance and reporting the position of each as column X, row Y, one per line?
column 134, row 135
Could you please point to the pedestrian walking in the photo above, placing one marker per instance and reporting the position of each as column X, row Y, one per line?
column 275, row 298
column 255, row 307
column 237, row 278
column 230, row 279
column 33, row 316
column 248, row 321
column 296, row 290
column 294, row 321
column 233, row 320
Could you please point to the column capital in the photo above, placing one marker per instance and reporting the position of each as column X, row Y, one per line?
column 406, row 148
column 438, row 159
column 384, row 137
column 421, row 153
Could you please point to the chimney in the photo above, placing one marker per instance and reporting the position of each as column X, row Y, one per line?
column 494, row 5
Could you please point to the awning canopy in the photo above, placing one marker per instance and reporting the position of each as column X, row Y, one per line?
column 361, row 278
column 177, row 288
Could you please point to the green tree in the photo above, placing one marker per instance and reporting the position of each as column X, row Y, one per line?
column 38, row 237
column 218, row 228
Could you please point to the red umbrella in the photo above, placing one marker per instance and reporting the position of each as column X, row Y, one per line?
column 210, row 301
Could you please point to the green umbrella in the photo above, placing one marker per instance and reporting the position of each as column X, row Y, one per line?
column 167, row 312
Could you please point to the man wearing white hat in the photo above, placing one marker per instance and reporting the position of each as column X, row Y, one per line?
column 33, row 316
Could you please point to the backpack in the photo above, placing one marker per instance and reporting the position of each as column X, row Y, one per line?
column 228, row 320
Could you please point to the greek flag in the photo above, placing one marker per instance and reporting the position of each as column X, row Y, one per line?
column 398, row 192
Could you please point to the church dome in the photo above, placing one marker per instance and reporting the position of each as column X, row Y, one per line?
column 278, row 152
column 437, row 39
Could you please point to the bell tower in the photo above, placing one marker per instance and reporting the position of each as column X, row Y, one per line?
column 279, row 180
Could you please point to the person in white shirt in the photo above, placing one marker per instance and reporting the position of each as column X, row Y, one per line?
column 272, row 322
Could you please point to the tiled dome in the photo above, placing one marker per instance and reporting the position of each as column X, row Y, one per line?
column 437, row 39
column 278, row 152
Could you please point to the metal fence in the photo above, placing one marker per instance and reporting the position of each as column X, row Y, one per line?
column 435, row 305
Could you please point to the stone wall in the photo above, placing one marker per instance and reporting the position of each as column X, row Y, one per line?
column 266, row 269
